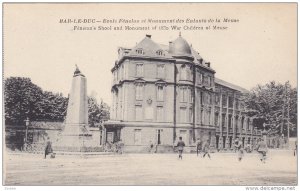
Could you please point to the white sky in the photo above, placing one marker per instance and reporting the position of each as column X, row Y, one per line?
column 260, row 48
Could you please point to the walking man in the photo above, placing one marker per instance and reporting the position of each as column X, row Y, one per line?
column 206, row 148
column 151, row 145
column 180, row 146
column 199, row 146
column 262, row 150
column 48, row 149
column 238, row 147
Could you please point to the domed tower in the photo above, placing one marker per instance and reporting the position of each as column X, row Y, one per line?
column 180, row 48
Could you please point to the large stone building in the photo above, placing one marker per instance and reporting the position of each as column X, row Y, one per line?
column 163, row 92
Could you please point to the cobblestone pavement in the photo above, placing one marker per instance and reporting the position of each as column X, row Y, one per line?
column 150, row 169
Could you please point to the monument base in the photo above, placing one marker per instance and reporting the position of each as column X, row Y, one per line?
column 76, row 143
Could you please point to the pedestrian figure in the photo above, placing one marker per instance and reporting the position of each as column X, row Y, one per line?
column 48, row 148
column 238, row 147
column 199, row 146
column 120, row 147
column 206, row 148
column 296, row 148
column 180, row 146
column 151, row 145
column 262, row 150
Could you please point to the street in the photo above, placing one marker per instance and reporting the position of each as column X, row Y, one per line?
column 150, row 169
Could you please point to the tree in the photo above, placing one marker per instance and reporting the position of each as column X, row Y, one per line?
column 52, row 107
column 20, row 100
column 97, row 112
column 272, row 106
column 24, row 99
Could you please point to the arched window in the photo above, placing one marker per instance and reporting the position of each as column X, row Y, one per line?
column 159, row 52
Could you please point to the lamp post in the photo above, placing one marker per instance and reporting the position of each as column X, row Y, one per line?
column 265, row 132
column 26, row 133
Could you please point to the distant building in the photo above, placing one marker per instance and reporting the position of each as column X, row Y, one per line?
column 161, row 93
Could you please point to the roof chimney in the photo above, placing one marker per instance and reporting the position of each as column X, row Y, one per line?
column 148, row 35
column 208, row 64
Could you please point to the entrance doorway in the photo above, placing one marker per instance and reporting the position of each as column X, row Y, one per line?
column 110, row 137
column 224, row 142
column 217, row 141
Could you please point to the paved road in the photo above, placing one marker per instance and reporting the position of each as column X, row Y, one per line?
column 151, row 169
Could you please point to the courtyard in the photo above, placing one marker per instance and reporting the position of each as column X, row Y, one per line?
column 150, row 169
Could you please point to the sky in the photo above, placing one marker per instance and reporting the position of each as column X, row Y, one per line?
column 261, row 47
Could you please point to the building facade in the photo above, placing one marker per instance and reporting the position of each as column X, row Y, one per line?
column 163, row 92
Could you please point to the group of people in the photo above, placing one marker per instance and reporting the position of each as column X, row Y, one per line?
column 116, row 147
column 261, row 148
column 204, row 147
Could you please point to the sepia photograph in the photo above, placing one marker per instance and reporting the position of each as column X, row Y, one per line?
column 150, row 94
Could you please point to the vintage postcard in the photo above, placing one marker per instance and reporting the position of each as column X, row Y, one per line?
column 150, row 94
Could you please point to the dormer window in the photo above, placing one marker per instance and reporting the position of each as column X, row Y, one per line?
column 140, row 51
column 159, row 52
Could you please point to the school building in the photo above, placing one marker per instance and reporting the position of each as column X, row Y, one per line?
column 163, row 92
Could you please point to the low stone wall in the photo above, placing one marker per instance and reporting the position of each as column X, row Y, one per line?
column 38, row 133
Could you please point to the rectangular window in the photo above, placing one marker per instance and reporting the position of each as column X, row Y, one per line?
column 229, row 122
column 208, row 80
column 201, row 98
column 230, row 102
column 160, row 71
column 201, row 116
column 160, row 114
column 183, row 94
column 138, row 113
column 236, row 104
column 217, row 100
column 191, row 115
column 209, row 117
column 139, row 92
column 216, row 119
column 190, row 94
column 223, row 120
column 209, row 102
column 205, row 78
column 137, row 136
column 201, row 78
column 160, row 93
column 183, row 73
column 139, row 70
column 183, row 114
column 224, row 101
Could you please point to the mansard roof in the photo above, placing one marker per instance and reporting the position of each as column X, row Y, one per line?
column 230, row 85
column 149, row 48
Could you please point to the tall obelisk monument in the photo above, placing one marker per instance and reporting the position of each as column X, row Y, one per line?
column 77, row 112
column 75, row 136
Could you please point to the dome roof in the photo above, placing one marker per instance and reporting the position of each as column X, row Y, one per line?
column 180, row 47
